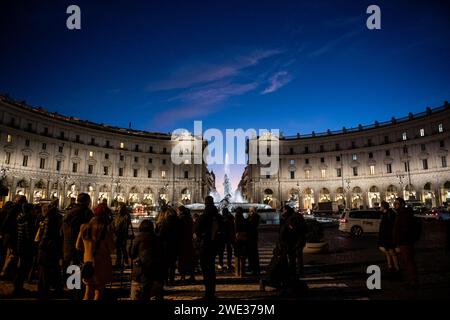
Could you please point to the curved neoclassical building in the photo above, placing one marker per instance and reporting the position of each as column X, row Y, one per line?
column 362, row 166
column 47, row 155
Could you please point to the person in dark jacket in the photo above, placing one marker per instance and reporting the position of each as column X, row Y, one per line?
column 167, row 230
column 404, row 238
column 122, row 226
column 386, row 237
column 25, row 240
column 229, row 235
column 186, row 245
column 207, row 231
column 148, row 271
column 241, row 242
column 252, row 242
column 72, row 222
column 49, row 251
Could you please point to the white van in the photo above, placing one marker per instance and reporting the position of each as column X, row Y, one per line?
column 360, row 221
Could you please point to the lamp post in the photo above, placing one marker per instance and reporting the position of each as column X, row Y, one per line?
column 400, row 177
column 348, row 181
column 64, row 178
column 115, row 182
column 298, row 194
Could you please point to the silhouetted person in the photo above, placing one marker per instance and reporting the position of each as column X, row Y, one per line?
column 122, row 226
column 229, row 235
column 241, row 242
column 208, row 231
column 186, row 245
column 386, row 237
column 252, row 243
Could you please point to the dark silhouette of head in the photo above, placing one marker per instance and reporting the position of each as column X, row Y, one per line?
column 146, row 226
column 209, row 201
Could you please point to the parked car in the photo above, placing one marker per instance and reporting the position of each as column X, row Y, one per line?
column 440, row 213
column 359, row 222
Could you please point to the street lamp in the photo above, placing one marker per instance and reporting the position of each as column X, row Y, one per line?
column 64, row 178
column 400, row 177
column 347, row 181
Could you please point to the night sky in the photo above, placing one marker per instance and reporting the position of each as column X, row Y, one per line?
column 296, row 66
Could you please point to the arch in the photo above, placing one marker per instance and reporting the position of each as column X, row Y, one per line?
column 356, row 190
column 308, row 198
column 391, row 188
column 40, row 184
column 134, row 189
column 148, row 190
column 22, row 184
column 340, row 190
column 268, row 191
column 324, row 195
column 447, row 185
column 427, row 186
column 373, row 189
column 186, row 196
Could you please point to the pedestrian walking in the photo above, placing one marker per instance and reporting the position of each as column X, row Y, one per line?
column 229, row 235
column 241, row 242
column 386, row 238
column 186, row 245
column 252, row 242
column 123, row 230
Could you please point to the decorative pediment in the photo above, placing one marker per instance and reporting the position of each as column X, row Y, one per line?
column 442, row 152
column 27, row 152
column 76, row 159
column 92, row 161
column 9, row 148
column 354, row 164
column 44, row 154
column 292, row 168
column 307, row 167
column 60, row 157
column 323, row 166
column 371, row 162
column 423, row 155
column 150, row 166
column 136, row 166
column 388, row 160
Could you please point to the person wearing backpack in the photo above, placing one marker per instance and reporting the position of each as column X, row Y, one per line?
column 208, row 231
column 405, row 235
column 122, row 225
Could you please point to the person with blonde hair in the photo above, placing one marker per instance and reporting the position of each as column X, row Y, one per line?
column 97, row 240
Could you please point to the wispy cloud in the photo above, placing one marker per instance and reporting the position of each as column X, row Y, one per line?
column 202, row 73
column 333, row 43
column 277, row 81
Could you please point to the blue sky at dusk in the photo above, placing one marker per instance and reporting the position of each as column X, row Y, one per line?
column 296, row 66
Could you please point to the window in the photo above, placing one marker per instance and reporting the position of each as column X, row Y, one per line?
column 388, row 168
column 74, row 167
column 442, row 143
column 25, row 161
column 75, row 152
column 58, row 165
column 121, row 157
column 404, row 136
column 353, row 145
column 306, row 150
column 150, row 160
column 7, row 157
column 405, row 150
column 372, row 170
column 307, row 174
column 149, row 173
column 91, row 154
column 267, row 176
column 355, row 171
column 60, row 149
column 370, row 155
column 61, row 134
column 163, row 174
column 440, row 128
column 386, row 139
column 92, row 141
column 120, row 172
column 322, row 173
column 77, row 138
column 292, row 162
column 42, row 163
column 369, row 142
column 388, row 153
column 106, row 156
column 122, row 145
column 46, row 131
column 322, row 160
column 292, row 174
column 44, row 146
column 268, row 152
column 425, row 164
column 105, row 170
column 423, row 147
column 321, row 148
column 90, row 169
column 306, row 161
column 9, row 138
column 337, row 147
column 291, row 150
column 339, row 172
column 135, row 173
column 354, row 157
column 164, row 161
column 30, row 127
column 150, row 149
column 406, row 166
column 27, row 143
column 136, row 159
column 136, row 148
column 108, row 144
column 338, row 158
column 164, row 150
column 444, row 161
column 186, row 174
column 422, row 132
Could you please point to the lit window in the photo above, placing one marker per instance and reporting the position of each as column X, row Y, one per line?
column 307, row 174
column 440, row 127
column 354, row 157
column 91, row 154
column 186, row 161
column 122, row 145
column 404, row 136
column 9, row 138
column 292, row 161
column 422, row 132
column 163, row 174
column 8, row 158
column 322, row 173
column 372, row 170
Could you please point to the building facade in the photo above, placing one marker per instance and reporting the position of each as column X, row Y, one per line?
column 47, row 155
column 360, row 166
